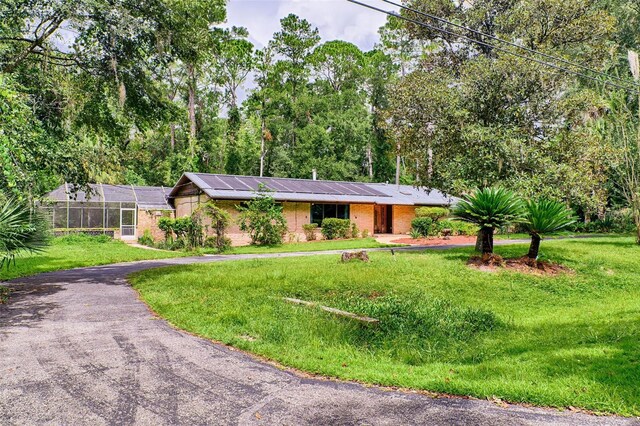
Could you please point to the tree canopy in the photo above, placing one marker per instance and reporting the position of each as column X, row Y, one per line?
column 139, row 92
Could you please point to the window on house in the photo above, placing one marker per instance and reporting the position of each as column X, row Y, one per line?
column 320, row 211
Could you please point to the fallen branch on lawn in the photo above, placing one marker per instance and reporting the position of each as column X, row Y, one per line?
column 334, row 311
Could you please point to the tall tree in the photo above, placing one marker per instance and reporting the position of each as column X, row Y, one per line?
column 192, row 41
column 232, row 66
column 380, row 73
column 475, row 116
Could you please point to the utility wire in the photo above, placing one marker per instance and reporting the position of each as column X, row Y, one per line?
column 528, row 58
column 529, row 50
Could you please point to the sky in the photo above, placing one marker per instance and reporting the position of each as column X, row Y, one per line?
column 336, row 19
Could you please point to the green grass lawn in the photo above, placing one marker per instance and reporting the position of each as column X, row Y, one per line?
column 78, row 251
column 311, row 246
column 569, row 340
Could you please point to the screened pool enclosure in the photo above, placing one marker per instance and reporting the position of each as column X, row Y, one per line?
column 110, row 209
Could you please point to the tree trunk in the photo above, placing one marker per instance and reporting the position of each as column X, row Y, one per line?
column 262, row 146
column 479, row 242
column 487, row 240
column 534, row 248
column 192, row 106
column 172, row 128
column 370, row 161
column 635, row 206
column 398, row 165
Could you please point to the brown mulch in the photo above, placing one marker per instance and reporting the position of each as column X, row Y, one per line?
column 460, row 239
column 494, row 263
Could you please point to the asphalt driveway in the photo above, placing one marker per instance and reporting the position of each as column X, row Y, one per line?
column 78, row 347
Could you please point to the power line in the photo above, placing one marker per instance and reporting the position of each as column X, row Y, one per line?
column 535, row 52
column 548, row 64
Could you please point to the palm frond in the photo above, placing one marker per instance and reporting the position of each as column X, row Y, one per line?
column 491, row 208
column 545, row 216
column 21, row 229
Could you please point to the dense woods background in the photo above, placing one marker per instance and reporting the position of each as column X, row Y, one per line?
column 137, row 92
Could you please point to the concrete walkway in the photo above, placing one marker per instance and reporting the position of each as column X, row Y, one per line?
column 78, row 347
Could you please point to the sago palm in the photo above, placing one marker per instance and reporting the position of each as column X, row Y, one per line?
column 490, row 208
column 21, row 229
column 543, row 217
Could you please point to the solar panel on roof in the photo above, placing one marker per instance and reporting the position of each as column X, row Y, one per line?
column 302, row 186
column 235, row 184
column 308, row 187
column 289, row 185
column 222, row 182
column 347, row 189
column 278, row 185
column 242, row 184
column 254, row 182
column 213, row 182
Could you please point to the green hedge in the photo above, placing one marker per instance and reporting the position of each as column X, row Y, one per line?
column 426, row 227
column 433, row 213
column 333, row 228
column 310, row 231
column 423, row 226
column 458, row 228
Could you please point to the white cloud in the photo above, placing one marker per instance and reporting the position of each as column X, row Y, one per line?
column 336, row 19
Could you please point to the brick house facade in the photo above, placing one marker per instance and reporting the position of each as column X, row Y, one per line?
column 376, row 208
column 127, row 212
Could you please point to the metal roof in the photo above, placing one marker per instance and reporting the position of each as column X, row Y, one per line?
column 229, row 187
column 146, row 197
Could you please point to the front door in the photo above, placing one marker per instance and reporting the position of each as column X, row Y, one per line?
column 128, row 223
column 380, row 219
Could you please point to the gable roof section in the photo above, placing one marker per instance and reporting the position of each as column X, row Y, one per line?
column 228, row 187
column 146, row 197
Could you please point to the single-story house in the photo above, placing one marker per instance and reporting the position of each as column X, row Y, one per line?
column 126, row 211
column 121, row 211
column 377, row 207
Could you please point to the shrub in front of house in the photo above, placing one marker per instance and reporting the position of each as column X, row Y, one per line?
column 333, row 228
column 263, row 219
column 146, row 239
column 310, row 231
column 422, row 226
column 220, row 220
column 428, row 223
column 458, row 228
column 355, row 232
column 219, row 243
column 433, row 213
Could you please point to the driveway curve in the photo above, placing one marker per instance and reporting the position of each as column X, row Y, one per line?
column 79, row 347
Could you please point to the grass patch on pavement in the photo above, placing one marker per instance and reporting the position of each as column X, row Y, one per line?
column 568, row 340
column 4, row 294
column 76, row 251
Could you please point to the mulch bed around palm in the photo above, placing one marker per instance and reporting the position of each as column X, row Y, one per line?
column 494, row 263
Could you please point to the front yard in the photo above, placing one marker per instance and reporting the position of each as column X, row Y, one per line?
column 568, row 340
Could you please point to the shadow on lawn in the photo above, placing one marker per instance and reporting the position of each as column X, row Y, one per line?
column 628, row 244
column 607, row 356
column 589, row 359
